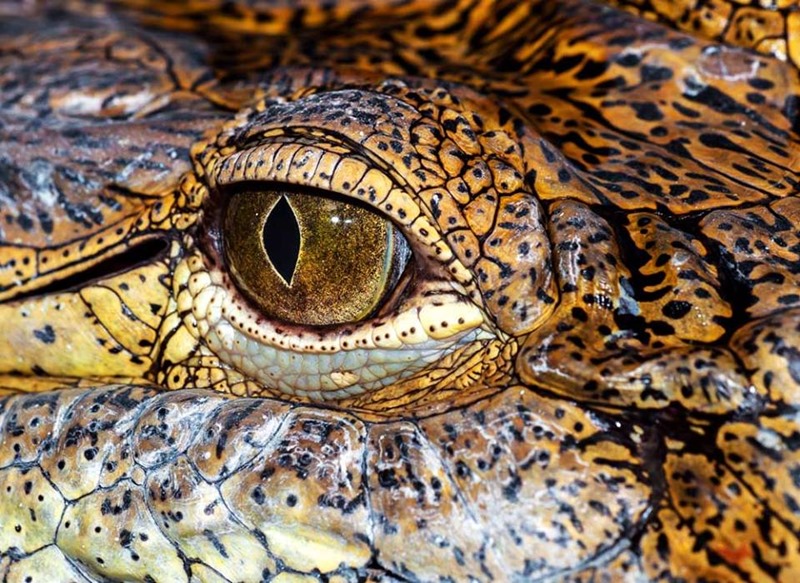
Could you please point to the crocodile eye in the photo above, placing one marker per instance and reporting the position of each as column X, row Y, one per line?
column 311, row 258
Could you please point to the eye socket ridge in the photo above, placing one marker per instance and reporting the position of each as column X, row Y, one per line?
column 327, row 362
column 428, row 313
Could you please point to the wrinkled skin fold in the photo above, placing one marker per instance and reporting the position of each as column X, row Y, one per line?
column 589, row 373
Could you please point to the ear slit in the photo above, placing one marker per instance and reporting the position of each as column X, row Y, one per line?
column 139, row 253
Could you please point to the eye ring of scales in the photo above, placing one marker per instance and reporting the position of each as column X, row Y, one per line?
column 587, row 369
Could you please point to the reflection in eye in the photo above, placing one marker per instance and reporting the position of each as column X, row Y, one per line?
column 311, row 259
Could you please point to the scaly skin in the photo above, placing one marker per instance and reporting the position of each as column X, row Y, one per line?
column 593, row 374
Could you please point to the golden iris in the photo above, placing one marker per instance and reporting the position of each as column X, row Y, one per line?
column 311, row 259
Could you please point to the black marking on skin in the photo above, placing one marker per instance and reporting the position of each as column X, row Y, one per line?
column 214, row 540
column 722, row 103
column 647, row 111
column 115, row 509
column 45, row 221
column 791, row 111
column 653, row 73
column 46, row 334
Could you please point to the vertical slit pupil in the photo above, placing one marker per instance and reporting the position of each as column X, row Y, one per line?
column 282, row 239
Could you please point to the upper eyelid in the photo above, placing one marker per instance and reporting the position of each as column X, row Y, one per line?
column 345, row 175
column 350, row 126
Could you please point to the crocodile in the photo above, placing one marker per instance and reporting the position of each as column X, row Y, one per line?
column 441, row 290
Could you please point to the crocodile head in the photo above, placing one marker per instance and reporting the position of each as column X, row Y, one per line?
column 505, row 291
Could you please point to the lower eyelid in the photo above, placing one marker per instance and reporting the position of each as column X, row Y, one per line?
column 324, row 376
column 335, row 363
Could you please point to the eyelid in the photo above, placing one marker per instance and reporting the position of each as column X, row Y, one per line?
column 334, row 362
column 436, row 316
column 333, row 169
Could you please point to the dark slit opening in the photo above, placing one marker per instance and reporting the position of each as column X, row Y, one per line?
column 138, row 254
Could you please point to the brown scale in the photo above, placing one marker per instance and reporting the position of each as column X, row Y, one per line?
column 408, row 472
column 228, row 547
column 125, row 541
column 499, row 457
column 605, row 347
column 616, row 197
column 765, row 452
column 710, row 527
column 46, row 565
column 307, row 487
column 762, row 246
column 28, row 425
column 768, row 349
column 770, row 28
column 95, row 442
column 235, row 435
column 166, row 430
column 35, row 518
column 682, row 293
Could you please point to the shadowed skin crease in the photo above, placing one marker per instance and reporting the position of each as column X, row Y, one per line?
column 541, row 321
